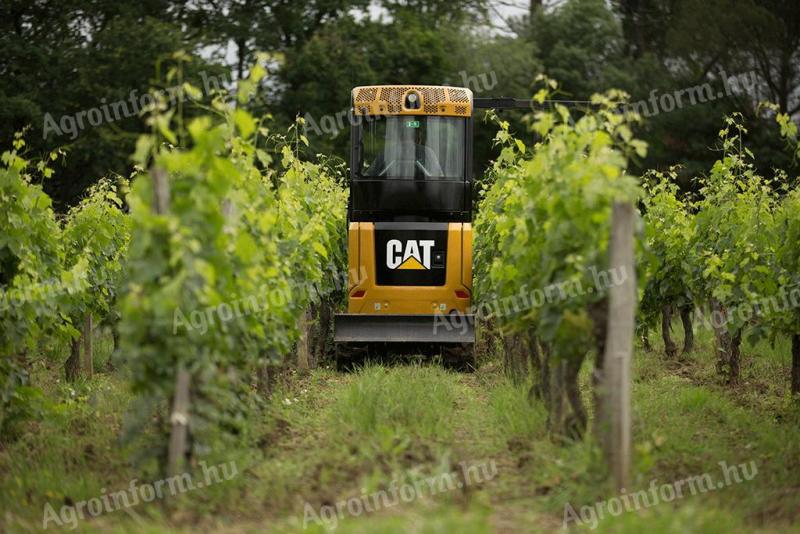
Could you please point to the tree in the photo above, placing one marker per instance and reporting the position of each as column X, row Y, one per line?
column 581, row 45
column 60, row 59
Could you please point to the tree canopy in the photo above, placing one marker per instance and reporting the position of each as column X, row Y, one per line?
column 60, row 60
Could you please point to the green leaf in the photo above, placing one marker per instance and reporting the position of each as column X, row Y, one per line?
column 320, row 249
column 244, row 122
column 246, row 247
column 193, row 92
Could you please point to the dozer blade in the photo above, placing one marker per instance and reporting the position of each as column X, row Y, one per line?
column 369, row 328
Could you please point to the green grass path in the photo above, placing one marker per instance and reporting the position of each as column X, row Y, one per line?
column 332, row 439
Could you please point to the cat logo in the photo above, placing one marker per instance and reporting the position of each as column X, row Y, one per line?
column 415, row 255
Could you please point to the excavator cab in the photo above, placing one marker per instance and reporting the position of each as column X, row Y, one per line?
column 409, row 217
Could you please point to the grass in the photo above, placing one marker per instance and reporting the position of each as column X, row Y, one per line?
column 328, row 437
column 385, row 406
column 512, row 412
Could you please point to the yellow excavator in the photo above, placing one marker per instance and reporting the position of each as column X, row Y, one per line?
column 410, row 232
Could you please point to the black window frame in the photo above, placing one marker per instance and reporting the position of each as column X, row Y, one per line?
column 360, row 186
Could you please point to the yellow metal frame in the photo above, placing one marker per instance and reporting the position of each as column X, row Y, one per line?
column 408, row 299
column 434, row 100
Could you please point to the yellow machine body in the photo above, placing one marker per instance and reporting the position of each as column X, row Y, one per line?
column 410, row 213
column 366, row 296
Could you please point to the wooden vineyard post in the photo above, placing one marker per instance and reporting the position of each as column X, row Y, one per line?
column 179, row 420
column 179, row 416
column 303, row 343
column 88, row 354
column 615, row 389
column 795, row 365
